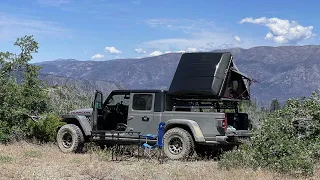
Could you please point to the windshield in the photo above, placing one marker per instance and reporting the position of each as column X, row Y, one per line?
column 118, row 98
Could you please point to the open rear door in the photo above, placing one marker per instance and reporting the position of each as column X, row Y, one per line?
column 97, row 109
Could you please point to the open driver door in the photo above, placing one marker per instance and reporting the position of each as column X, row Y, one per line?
column 97, row 112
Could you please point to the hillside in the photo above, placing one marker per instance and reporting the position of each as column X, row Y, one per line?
column 67, row 94
column 282, row 72
column 81, row 86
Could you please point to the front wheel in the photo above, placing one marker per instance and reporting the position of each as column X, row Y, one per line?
column 178, row 144
column 70, row 138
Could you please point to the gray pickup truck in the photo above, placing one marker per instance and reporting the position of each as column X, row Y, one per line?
column 200, row 110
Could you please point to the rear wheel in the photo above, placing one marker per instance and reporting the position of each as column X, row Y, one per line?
column 70, row 138
column 178, row 144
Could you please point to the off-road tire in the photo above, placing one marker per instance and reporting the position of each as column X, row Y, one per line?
column 186, row 140
column 75, row 133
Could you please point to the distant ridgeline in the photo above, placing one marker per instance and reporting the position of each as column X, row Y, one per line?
column 283, row 72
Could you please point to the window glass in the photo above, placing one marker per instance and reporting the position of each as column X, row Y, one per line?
column 119, row 98
column 98, row 100
column 142, row 102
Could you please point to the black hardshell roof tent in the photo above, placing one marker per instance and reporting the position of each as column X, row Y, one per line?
column 211, row 75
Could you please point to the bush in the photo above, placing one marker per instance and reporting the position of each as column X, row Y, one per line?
column 4, row 132
column 44, row 129
column 279, row 145
column 255, row 114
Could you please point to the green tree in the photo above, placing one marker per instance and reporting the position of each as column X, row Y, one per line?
column 275, row 105
column 21, row 93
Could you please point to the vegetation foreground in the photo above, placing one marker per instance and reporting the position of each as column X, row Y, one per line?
column 30, row 161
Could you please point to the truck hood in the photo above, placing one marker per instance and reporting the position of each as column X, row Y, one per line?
column 84, row 112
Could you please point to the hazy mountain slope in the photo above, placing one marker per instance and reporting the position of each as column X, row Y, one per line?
column 81, row 86
column 287, row 71
column 151, row 72
column 283, row 72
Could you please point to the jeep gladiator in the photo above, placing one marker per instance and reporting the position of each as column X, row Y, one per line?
column 200, row 112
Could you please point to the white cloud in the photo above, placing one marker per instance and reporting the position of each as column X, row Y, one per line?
column 191, row 49
column 261, row 20
column 187, row 25
column 140, row 51
column 97, row 56
column 238, row 39
column 136, row 1
column 199, row 41
column 197, row 35
column 282, row 31
column 112, row 50
column 17, row 26
column 156, row 53
column 54, row 2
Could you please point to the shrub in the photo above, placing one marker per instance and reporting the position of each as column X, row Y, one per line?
column 6, row 159
column 278, row 144
column 255, row 114
column 4, row 132
column 44, row 129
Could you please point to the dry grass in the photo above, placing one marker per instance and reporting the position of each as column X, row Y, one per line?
column 29, row 161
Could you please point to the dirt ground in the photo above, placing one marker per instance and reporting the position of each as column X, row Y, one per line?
column 30, row 161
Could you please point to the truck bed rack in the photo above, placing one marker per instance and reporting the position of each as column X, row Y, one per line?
column 186, row 103
column 208, row 99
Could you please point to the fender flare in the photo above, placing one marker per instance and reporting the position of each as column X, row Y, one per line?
column 82, row 120
column 194, row 127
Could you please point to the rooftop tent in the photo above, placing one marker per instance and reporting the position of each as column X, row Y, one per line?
column 208, row 74
column 236, row 86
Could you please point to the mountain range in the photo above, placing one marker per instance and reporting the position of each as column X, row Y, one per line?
column 83, row 87
column 282, row 72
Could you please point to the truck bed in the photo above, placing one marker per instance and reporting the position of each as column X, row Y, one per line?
column 210, row 123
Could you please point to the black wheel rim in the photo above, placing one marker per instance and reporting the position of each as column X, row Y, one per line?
column 175, row 145
column 67, row 140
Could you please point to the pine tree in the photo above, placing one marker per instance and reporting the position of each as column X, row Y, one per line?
column 275, row 105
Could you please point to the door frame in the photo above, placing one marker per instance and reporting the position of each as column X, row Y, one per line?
column 95, row 109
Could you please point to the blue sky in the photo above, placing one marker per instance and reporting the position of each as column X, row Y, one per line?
column 111, row 29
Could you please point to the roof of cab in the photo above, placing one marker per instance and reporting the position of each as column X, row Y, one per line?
column 139, row 91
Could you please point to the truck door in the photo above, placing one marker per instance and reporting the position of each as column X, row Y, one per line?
column 97, row 109
column 141, row 110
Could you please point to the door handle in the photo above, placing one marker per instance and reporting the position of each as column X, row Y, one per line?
column 130, row 118
column 145, row 118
